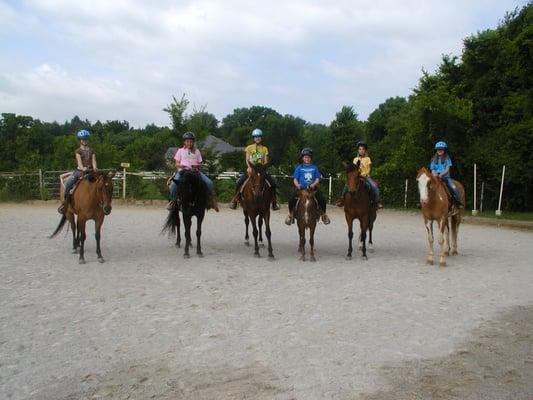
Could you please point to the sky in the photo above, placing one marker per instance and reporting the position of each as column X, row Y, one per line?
column 125, row 59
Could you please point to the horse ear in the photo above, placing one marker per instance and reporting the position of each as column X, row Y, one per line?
column 358, row 164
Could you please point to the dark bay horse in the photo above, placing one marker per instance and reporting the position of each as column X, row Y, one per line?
column 435, row 205
column 307, row 214
column 91, row 200
column 357, row 205
column 192, row 199
column 256, row 200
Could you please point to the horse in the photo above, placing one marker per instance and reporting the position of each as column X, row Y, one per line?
column 192, row 199
column 435, row 205
column 256, row 200
column 307, row 214
column 357, row 204
column 91, row 200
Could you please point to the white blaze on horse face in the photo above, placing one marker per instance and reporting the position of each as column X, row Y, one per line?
column 423, row 180
column 306, row 213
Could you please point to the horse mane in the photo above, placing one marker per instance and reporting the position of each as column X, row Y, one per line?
column 198, row 190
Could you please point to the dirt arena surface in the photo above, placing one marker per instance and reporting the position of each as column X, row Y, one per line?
column 148, row 324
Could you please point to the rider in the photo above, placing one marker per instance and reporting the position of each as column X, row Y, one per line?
column 364, row 171
column 85, row 161
column 440, row 167
column 306, row 176
column 256, row 153
column 189, row 157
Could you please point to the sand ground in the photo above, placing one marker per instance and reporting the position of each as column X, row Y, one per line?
column 150, row 324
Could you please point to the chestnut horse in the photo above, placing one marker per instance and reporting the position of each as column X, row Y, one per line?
column 435, row 205
column 192, row 198
column 91, row 200
column 307, row 214
column 256, row 200
column 357, row 204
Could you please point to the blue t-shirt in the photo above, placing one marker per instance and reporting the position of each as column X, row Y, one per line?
column 306, row 174
column 439, row 167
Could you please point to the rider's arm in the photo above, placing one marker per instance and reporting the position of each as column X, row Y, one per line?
column 79, row 163
column 94, row 162
column 315, row 183
column 446, row 170
column 296, row 184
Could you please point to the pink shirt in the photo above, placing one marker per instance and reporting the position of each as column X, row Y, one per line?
column 188, row 158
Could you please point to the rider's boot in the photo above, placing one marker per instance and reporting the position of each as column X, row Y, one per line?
column 63, row 206
column 171, row 205
column 275, row 205
column 325, row 218
column 340, row 202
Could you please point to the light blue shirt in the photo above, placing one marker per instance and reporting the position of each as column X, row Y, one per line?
column 306, row 174
column 439, row 167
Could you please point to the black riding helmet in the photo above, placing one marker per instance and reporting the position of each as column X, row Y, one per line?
column 188, row 135
column 361, row 143
column 306, row 151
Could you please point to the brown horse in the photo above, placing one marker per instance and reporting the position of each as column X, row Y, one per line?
column 307, row 214
column 435, row 204
column 91, row 200
column 256, row 200
column 357, row 204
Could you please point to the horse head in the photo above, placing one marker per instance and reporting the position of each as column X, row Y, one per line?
column 104, row 191
column 191, row 190
column 257, row 179
column 426, row 182
column 352, row 176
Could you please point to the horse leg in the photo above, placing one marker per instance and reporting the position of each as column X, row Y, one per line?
column 429, row 229
column 301, row 248
column 254, row 231
column 260, row 223
column 312, row 241
column 75, row 242
column 199, row 219
column 178, row 233
column 370, row 244
column 455, row 231
column 268, row 234
column 349, row 221
column 363, row 223
column 443, row 233
column 246, row 235
column 82, row 237
column 187, row 221
column 97, row 229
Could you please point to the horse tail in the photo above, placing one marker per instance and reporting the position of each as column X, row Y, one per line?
column 59, row 227
column 171, row 225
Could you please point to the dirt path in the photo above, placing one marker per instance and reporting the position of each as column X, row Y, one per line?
column 149, row 324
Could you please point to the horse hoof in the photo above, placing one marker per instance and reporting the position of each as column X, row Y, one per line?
column 178, row 245
column 271, row 257
column 364, row 257
column 302, row 258
column 348, row 258
column 429, row 262
column 101, row 260
column 447, row 254
column 200, row 254
column 81, row 261
column 454, row 253
column 442, row 264
column 312, row 259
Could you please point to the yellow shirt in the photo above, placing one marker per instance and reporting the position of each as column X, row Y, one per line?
column 365, row 164
column 256, row 154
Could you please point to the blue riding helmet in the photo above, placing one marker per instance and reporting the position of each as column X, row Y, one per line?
column 306, row 152
column 188, row 135
column 257, row 132
column 441, row 145
column 83, row 134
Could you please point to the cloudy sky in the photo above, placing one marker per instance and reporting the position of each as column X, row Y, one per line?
column 124, row 59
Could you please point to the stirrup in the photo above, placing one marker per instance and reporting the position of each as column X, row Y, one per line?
column 340, row 202
column 171, row 205
column 61, row 209
column 275, row 206
column 325, row 219
column 289, row 220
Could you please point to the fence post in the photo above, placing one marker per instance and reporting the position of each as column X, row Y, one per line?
column 405, row 196
column 41, row 184
column 499, row 210
column 124, row 183
column 329, row 189
column 474, row 210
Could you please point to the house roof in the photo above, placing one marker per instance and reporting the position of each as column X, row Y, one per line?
column 218, row 145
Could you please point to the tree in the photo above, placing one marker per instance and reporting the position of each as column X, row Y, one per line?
column 346, row 130
column 176, row 111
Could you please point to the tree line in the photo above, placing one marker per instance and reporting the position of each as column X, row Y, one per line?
column 480, row 103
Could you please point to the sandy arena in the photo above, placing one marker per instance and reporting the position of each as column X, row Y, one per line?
column 149, row 324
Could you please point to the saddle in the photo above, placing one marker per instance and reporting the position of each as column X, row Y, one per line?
column 452, row 209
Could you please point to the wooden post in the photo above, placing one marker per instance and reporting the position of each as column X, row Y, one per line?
column 481, row 199
column 124, row 165
column 41, row 183
column 474, row 210
column 499, row 210
column 329, row 189
column 405, row 195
